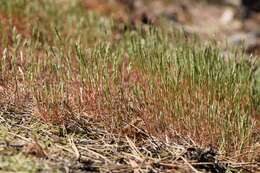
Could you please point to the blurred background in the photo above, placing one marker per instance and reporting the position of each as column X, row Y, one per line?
column 234, row 21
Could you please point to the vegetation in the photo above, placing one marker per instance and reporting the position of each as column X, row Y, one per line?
column 60, row 61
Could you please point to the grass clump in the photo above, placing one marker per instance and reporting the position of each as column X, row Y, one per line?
column 72, row 61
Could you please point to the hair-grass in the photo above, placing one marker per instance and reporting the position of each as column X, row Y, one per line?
column 170, row 82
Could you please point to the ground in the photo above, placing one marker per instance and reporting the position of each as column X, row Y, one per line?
column 112, row 86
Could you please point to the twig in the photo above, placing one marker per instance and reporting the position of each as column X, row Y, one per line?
column 95, row 153
column 135, row 151
column 74, row 147
column 19, row 136
column 187, row 163
column 63, row 148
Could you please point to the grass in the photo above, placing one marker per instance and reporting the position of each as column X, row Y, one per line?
column 64, row 60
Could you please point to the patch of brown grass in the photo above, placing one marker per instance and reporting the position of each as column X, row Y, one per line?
column 8, row 23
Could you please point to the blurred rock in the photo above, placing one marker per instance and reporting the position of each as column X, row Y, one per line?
column 250, row 6
column 180, row 13
column 250, row 40
column 227, row 16
column 232, row 2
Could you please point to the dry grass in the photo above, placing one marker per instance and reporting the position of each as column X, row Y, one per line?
column 28, row 145
column 71, row 63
